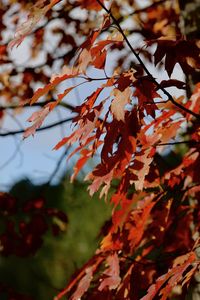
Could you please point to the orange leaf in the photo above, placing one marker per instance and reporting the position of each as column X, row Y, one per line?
column 56, row 80
column 38, row 118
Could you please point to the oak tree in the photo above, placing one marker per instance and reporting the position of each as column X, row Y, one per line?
column 140, row 62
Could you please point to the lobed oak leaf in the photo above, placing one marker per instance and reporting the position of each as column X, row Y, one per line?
column 85, row 58
column 98, row 181
column 63, row 141
column 56, row 79
column 100, row 60
column 87, row 106
column 146, row 93
column 81, row 133
column 112, row 273
column 95, row 54
column 168, row 131
column 142, row 169
column 85, row 155
column 38, row 118
column 125, row 80
column 80, row 163
column 60, row 97
column 119, row 216
column 138, row 219
column 184, row 52
column 119, row 102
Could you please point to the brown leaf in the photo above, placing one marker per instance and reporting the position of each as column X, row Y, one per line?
column 119, row 102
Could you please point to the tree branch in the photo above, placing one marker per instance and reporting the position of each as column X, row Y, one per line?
column 10, row 133
column 191, row 142
column 58, row 164
column 186, row 110
column 40, row 104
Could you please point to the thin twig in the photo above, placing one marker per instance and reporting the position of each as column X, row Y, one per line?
column 10, row 133
column 11, row 158
column 191, row 142
column 40, row 104
column 58, row 164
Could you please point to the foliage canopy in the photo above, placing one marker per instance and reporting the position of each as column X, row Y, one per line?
column 135, row 120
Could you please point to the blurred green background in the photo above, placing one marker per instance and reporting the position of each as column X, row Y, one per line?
column 43, row 275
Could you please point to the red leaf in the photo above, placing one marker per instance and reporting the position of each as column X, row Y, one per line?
column 84, row 284
column 38, row 118
column 54, row 82
column 112, row 279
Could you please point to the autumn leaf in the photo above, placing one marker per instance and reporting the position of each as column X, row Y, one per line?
column 37, row 118
column 98, row 182
column 171, row 278
column 85, row 58
column 54, row 82
column 181, row 51
column 84, row 284
column 112, row 275
column 119, row 102
column 37, row 12
column 141, row 167
column 137, row 221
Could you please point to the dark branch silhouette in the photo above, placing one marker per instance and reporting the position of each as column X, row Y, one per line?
column 10, row 133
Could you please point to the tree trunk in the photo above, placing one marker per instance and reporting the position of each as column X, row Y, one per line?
column 190, row 27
